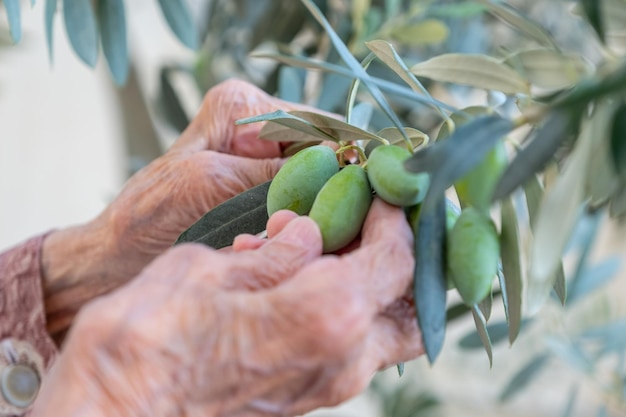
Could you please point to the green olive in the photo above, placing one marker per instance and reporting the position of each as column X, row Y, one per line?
column 391, row 181
column 473, row 254
column 476, row 187
column 341, row 206
column 298, row 181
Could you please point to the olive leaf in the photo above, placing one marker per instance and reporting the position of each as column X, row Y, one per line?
column 50, row 11
column 517, row 20
column 618, row 140
column 593, row 12
column 178, row 17
column 602, row 180
column 429, row 282
column 287, row 124
column 511, row 266
column 548, row 68
column 244, row 213
column 524, row 376
column 534, row 192
column 15, row 21
column 498, row 332
column 459, row 118
column 112, row 21
column 353, row 64
column 486, row 305
column 559, row 125
column 391, row 134
column 334, row 128
column 480, row 71
column 385, row 85
column 481, row 327
column 452, row 158
column 386, row 53
column 82, row 30
column 425, row 32
column 557, row 216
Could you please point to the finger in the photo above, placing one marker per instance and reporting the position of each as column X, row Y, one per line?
column 247, row 242
column 279, row 259
column 278, row 221
column 385, row 222
column 382, row 267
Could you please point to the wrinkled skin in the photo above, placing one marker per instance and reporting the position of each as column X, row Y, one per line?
column 267, row 328
column 212, row 161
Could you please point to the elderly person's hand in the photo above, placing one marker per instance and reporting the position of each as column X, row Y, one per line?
column 212, row 161
column 274, row 330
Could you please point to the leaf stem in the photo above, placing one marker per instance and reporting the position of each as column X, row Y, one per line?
column 362, row 157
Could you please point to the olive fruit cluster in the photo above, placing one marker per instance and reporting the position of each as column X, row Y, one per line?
column 311, row 183
column 339, row 199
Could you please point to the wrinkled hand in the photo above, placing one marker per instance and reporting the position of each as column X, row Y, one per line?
column 269, row 328
column 211, row 162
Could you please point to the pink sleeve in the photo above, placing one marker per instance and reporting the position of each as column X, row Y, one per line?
column 24, row 341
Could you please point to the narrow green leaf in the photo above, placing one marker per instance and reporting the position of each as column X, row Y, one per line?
column 353, row 64
column 560, row 285
column 400, row 368
column 480, row 71
column 178, row 17
column 548, row 68
column 393, row 135
column 481, row 328
column 618, row 140
column 602, row 180
column 557, row 217
column 244, row 213
column 82, row 30
column 461, row 117
column 518, row 21
column 112, row 20
column 354, row 87
column 534, row 192
column 558, row 127
column 524, row 376
column 286, row 120
column 335, row 128
column 498, row 332
column 385, row 85
column 452, row 158
column 593, row 88
column 617, row 206
column 425, row 32
column 362, row 115
column 571, row 401
column 429, row 282
column 505, row 298
column 486, row 305
column 50, row 11
column 15, row 22
column 592, row 10
column 386, row 53
column 511, row 265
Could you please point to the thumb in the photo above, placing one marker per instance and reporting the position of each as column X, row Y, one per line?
column 297, row 244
